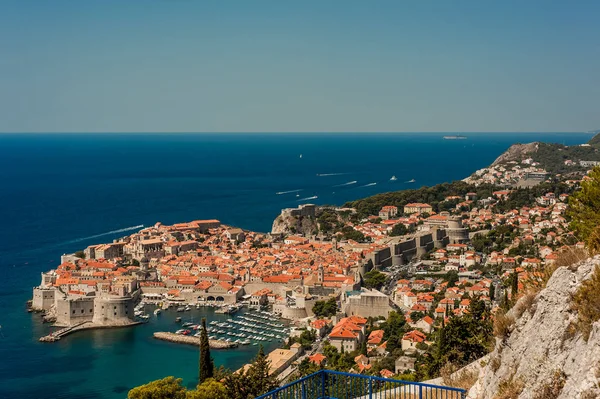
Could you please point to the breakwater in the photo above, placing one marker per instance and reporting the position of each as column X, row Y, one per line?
column 190, row 340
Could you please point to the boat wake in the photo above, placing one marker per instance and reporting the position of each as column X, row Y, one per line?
column 287, row 192
column 308, row 198
column 346, row 184
column 369, row 185
column 330, row 174
column 105, row 234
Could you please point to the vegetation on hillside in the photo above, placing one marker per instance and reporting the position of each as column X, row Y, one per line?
column 552, row 157
column 171, row 388
column 374, row 279
column 434, row 196
column 584, row 210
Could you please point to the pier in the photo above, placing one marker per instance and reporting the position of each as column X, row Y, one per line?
column 85, row 325
column 190, row 340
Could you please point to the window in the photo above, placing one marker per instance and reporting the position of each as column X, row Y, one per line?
column 73, row 311
column 81, row 310
column 91, row 310
column 115, row 313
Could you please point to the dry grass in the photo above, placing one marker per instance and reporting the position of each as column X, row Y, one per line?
column 554, row 387
column 495, row 364
column 586, row 302
column 510, row 389
column 591, row 393
column 503, row 325
column 525, row 303
column 452, row 377
column 571, row 257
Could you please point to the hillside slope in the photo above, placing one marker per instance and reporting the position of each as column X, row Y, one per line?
column 544, row 357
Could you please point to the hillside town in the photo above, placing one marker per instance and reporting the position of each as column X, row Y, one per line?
column 380, row 295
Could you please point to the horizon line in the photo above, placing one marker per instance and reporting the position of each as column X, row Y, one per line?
column 304, row 132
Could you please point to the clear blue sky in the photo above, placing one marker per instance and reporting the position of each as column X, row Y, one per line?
column 212, row 66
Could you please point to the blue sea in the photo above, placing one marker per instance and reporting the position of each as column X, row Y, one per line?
column 62, row 192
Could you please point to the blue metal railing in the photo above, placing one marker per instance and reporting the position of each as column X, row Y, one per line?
column 327, row 384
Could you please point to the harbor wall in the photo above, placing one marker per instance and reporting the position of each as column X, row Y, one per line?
column 43, row 298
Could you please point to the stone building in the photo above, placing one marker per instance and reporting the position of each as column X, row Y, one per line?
column 366, row 303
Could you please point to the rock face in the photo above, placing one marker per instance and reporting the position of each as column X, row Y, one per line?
column 516, row 152
column 543, row 355
column 286, row 224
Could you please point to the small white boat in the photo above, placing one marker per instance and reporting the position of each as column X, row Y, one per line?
column 411, row 181
column 393, row 178
column 157, row 312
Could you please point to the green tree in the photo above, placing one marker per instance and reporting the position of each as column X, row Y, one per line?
column 584, row 209
column 325, row 308
column 452, row 278
column 307, row 367
column 259, row 376
column 209, row 389
column 492, row 291
column 398, row 230
column 461, row 341
column 206, row 366
column 167, row 388
column 80, row 254
column 374, row 279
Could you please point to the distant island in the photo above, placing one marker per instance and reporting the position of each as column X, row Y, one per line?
column 455, row 137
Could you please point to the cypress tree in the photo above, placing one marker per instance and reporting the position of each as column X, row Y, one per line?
column 515, row 286
column 492, row 292
column 206, row 365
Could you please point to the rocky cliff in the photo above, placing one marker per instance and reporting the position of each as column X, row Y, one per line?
column 516, row 152
column 544, row 356
column 287, row 224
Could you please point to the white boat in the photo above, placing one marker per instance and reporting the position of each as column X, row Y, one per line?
column 157, row 312
column 393, row 178
column 300, row 156
column 411, row 181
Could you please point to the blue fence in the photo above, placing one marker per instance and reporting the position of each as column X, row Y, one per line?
column 328, row 384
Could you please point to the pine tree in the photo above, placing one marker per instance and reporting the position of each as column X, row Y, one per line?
column 492, row 291
column 206, row 365
column 258, row 376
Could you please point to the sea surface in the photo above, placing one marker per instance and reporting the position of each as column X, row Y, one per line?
column 62, row 192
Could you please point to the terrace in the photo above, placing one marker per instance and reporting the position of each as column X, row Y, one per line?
column 327, row 384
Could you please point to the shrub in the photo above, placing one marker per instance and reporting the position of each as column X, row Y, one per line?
column 586, row 302
column 495, row 363
column 503, row 325
column 453, row 377
column 510, row 389
column 554, row 387
column 571, row 256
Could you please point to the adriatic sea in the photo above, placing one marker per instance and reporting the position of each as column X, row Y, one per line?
column 62, row 192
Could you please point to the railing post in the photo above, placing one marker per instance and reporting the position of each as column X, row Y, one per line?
column 323, row 378
column 303, row 390
column 370, row 387
column 420, row 391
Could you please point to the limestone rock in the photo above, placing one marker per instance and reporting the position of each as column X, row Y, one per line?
column 516, row 152
column 542, row 347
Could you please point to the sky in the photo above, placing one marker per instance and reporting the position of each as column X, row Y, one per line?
column 299, row 66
